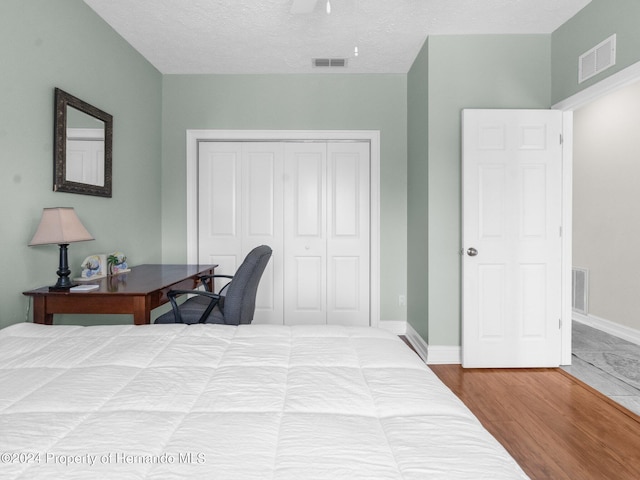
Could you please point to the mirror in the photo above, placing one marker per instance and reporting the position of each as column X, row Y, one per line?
column 83, row 142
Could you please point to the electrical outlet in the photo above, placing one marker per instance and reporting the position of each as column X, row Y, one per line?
column 402, row 300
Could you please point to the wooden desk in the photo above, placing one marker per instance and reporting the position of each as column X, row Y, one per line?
column 136, row 293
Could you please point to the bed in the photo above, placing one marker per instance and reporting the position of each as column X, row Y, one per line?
column 223, row 402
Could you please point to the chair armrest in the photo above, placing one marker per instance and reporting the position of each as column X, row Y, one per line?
column 214, row 276
column 207, row 276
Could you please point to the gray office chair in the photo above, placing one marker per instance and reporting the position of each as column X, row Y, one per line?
column 234, row 304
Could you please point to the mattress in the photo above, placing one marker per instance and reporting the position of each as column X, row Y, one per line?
column 225, row 402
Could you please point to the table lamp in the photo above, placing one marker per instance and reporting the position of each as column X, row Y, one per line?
column 60, row 226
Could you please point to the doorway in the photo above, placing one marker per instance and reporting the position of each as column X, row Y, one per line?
column 605, row 199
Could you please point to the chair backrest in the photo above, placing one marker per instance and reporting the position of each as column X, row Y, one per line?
column 240, row 297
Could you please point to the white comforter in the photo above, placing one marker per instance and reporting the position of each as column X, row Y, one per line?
column 222, row 402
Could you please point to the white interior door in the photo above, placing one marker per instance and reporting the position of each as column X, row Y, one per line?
column 512, row 251
column 240, row 207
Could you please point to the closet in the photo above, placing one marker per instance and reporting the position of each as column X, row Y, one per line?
column 310, row 202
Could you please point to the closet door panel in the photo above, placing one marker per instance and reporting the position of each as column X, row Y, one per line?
column 262, row 217
column 219, row 201
column 240, row 207
column 305, row 233
column 309, row 288
column 348, row 233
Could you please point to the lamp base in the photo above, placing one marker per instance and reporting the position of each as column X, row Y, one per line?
column 64, row 283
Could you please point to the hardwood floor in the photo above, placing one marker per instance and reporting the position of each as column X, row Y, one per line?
column 554, row 425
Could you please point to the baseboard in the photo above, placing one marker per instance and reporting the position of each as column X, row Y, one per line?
column 621, row 331
column 433, row 354
column 419, row 345
column 443, row 354
column 438, row 354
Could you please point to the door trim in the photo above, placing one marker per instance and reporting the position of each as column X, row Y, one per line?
column 623, row 78
column 567, row 237
column 627, row 76
column 371, row 136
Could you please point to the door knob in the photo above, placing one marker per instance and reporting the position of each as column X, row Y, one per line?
column 472, row 252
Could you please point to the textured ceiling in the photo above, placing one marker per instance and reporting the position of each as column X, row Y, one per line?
column 282, row 36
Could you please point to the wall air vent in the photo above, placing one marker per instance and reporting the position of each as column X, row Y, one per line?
column 329, row 62
column 599, row 58
column 580, row 290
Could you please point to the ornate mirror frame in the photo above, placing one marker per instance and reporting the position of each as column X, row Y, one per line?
column 61, row 183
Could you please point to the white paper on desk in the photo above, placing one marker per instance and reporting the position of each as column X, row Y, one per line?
column 84, row 288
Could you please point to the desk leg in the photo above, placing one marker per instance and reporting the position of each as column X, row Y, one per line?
column 209, row 282
column 141, row 311
column 40, row 314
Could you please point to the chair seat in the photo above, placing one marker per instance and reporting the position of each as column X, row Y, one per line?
column 191, row 311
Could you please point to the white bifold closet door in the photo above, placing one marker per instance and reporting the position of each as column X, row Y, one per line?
column 310, row 202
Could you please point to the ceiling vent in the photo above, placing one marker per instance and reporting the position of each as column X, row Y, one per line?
column 599, row 58
column 329, row 62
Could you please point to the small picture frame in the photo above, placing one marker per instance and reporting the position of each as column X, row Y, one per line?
column 117, row 263
column 94, row 267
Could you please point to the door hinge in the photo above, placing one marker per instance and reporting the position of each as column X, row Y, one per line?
column 561, row 139
column 560, row 230
column 560, row 323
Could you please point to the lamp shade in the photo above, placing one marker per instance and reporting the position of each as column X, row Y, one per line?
column 60, row 225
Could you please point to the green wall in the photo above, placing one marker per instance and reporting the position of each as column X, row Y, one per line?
column 417, row 193
column 63, row 43
column 466, row 71
column 293, row 102
column 596, row 22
